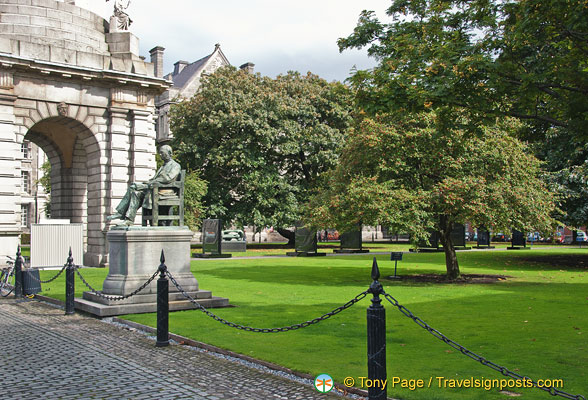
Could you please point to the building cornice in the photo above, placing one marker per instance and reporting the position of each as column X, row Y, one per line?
column 64, row 71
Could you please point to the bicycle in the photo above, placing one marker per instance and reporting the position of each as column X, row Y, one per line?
column 7, row 278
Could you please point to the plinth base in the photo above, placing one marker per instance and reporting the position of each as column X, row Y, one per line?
column 484, row 247
column 518, row 248
column 208, row 255
column 427, row 250
column 134, row 257
column 146, row 303
column 350, row 251
column 135, row 254
column 305, row 254
column 234, row 246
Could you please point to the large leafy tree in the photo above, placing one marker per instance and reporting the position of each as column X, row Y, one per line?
column 425, row 173
column 261, row 143
column 566, row 159
column 523, row 58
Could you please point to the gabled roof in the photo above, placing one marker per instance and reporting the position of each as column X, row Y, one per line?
column 190, row 74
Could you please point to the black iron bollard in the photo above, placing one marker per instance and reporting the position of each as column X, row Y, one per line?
column 70, row 285
column 376, row 331
column 162, row 306
column 18, row 289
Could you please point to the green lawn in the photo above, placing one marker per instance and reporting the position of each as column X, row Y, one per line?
column 535, row 322
column 280, row 249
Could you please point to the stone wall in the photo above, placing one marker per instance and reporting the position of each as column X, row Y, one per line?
column 58, row 32
column 86, row 98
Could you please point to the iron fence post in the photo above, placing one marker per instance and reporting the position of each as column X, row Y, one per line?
column 376, row 340
column 70, row 285
column 162, row 305
column 18, row 289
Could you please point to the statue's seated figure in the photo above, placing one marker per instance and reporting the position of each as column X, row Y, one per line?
column 166, row 199
column 140, row 194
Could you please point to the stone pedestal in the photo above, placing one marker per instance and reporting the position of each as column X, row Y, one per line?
column 134, row 257
column 233, row 246
column 135, row 253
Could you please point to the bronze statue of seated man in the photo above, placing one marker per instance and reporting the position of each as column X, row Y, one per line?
column 139, row 194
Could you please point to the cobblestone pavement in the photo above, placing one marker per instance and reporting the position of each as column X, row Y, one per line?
column 47, row 355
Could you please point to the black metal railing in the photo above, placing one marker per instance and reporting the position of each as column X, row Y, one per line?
column 376, row 321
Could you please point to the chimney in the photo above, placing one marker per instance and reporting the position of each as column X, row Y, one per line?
column 157, row 60
column 248, row 67
column 179, row 66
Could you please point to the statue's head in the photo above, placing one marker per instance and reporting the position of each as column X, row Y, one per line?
column 165, row 152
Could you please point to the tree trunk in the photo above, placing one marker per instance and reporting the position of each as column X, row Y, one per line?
column 288, row 234
column 451, row 263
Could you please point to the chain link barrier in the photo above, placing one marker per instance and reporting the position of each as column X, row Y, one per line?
column 503, row 370
column 115, row 298
column 304, row 324
column 50, row 280
column 482, row 360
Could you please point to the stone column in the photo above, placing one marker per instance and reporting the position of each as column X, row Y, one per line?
column 97, row 153
column 10, row 169
column 119, row 146
column 142, row 146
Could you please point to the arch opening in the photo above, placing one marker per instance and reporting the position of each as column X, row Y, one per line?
column 73, row 151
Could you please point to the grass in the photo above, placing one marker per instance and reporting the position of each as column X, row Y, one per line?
column 535, row 322
column 275, row 249
column 280, row 249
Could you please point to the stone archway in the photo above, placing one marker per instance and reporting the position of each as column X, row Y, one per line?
column 88, row 102
column 65, row 141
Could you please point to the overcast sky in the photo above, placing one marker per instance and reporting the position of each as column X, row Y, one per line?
column 277, row 36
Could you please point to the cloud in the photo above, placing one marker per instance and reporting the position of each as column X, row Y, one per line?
column 276, row 36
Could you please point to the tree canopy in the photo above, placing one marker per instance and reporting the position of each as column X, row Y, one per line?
column 487, row 59
column 262, row 143
column 422, row 173
column 525, row 58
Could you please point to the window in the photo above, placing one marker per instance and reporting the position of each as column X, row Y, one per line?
column 25, row 148
column 24, row 215
column 26, row 181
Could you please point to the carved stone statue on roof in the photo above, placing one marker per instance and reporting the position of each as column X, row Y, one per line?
column 120, row 20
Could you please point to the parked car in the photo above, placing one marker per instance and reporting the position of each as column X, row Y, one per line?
column 581, row 237
column 499, row 237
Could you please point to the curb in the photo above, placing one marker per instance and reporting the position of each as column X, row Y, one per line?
column 205, row 346
column 190, row 342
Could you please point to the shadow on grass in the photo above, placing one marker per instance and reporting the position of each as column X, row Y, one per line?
column 521, row 260
column 295, row 275
column 525, row 261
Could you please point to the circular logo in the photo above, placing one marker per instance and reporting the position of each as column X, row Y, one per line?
column 323, row 383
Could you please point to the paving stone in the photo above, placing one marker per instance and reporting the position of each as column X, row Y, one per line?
column 49, row 355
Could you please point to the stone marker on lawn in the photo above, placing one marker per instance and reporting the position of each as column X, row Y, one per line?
column 305, row 243
column 212, row 240
column 518, row 241
column 351, row 242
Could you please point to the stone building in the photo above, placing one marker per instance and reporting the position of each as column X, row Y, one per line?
column 186, row 78
column 84, row 96
column 33, row 196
